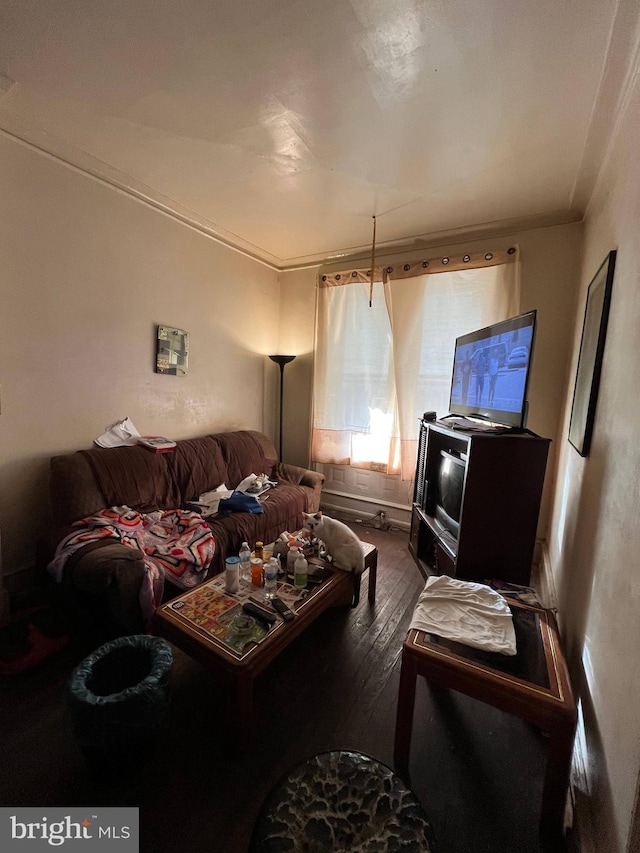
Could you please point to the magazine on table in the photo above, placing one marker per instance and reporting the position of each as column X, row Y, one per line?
column 157, row 443
column 220, row 615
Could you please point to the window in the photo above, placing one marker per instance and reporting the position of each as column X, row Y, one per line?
column 378, row 368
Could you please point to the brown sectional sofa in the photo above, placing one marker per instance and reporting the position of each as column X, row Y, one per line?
column 102, row 581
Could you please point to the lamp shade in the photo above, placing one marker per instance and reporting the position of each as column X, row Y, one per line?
column 282, row 359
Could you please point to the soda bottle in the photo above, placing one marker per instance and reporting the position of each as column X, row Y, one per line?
column 300, row 572
column 292, row 556
column 271, row 578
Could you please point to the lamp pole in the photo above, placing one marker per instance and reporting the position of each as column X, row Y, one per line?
column 281, row 360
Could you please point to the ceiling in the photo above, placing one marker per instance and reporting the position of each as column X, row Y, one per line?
column 283, row 126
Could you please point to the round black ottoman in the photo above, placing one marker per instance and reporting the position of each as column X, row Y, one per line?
column 341, row 801
column 117, row 698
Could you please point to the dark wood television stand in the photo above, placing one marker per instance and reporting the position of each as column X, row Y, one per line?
column 502, row 490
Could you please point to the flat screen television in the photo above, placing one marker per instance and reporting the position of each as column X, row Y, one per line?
column 491, row 370
column 450, row 485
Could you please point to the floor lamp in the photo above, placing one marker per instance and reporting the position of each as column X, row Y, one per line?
column 281, row 360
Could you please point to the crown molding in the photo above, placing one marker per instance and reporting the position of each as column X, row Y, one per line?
column 618, row 82
column 52, row 147
column 47, row 145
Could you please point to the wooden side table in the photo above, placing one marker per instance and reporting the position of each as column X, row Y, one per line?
column 533, row 685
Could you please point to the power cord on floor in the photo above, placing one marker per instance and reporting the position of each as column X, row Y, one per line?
column 378, row 522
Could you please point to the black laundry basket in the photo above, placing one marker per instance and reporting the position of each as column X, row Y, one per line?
column 118, row 696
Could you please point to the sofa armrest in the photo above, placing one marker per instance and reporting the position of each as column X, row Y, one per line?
column 100, row 587
column 95, row 569
column 299, row 476
column 312, row 480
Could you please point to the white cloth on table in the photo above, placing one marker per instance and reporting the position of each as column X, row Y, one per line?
column 467, row 612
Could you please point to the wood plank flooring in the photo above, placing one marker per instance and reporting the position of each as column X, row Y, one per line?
column 477, row 771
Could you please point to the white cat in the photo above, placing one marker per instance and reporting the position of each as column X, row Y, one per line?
column 341, row 543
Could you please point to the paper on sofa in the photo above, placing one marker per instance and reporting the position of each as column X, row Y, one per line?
column 120, row 434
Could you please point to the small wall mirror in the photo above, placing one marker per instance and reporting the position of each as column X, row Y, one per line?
column 172, row 354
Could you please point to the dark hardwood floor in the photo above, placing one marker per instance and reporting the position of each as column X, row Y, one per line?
column 477, row 771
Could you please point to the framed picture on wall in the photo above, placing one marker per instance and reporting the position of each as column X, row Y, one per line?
column 594, row 331
column 172, row 351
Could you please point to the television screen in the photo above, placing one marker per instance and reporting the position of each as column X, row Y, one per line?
column 450, row 485
column 491, row 371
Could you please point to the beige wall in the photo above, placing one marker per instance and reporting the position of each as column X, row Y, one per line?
column 550, row 259
column 86, row 273
column 595, row 535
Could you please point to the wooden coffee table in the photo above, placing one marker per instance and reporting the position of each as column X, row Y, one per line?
column 238, row 669
column 370, row 564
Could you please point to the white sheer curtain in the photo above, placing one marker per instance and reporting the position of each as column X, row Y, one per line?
column 354, row 396
column 428, row 313
column 378, row 368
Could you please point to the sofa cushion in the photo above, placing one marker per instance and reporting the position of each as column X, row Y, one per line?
column 73, row 489
column 197, row 465
column 245, row 452
column 283, row 508
column 133, row 477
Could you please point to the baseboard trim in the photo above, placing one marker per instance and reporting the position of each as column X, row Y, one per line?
column 366, row 500
column 581, row 834
column 544, row 582
column 355, row 508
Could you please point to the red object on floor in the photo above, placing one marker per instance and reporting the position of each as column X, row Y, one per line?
column 23, row 644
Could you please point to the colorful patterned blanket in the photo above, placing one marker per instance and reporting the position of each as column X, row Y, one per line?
column 175, row 544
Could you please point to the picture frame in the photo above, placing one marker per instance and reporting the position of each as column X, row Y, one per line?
column 172, row 351
column 594, row 332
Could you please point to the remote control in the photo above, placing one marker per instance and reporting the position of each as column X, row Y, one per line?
column 261, row 603
column 286, row 613
column 260, row 612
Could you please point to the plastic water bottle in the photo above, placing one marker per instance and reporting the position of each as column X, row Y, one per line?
column 300, row 572
column 245, row 562
column 271, row 578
